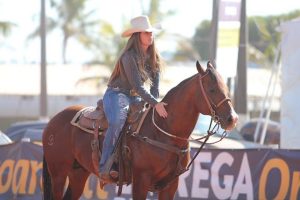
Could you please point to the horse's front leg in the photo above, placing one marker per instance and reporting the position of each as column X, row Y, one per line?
column 140, row 184
column 168, row 193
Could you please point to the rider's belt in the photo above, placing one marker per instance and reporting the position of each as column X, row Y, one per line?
column 131, row 92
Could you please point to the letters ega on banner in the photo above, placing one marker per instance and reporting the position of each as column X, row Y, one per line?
column 215, row 174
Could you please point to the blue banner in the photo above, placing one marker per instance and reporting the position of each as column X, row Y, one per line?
column 215, row 174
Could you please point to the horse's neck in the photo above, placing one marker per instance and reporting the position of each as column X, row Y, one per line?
column 182, row 113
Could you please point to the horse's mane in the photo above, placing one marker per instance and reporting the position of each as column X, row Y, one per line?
column 174, row 89
column 214, row 76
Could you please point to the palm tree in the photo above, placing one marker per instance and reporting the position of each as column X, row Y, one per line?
column 106, row 47
column 105, row 44
column 263, row 37
column 201, row 39
column 72, row 19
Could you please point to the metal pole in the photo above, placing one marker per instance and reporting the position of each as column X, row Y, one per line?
column 264, row 131
column 213, row 30
column 43, row 75
column 240, row 95
column 269, row 97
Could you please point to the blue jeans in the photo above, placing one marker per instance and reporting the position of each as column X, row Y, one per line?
column 116, row 108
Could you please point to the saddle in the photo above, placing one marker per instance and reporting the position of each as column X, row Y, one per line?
column 92, row 120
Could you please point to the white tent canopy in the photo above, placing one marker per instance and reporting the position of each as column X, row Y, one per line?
column 290, row 106
column 4, row 139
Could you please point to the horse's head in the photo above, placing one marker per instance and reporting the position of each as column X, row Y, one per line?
column 215, row 93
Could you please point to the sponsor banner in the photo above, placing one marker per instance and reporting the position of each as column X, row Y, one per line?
column 21, row 167
column 215, row 174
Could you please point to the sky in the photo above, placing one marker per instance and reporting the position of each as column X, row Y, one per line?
column 189, row 14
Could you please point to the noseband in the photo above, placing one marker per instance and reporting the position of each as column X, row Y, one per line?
column 179, row 151
column 212, row 107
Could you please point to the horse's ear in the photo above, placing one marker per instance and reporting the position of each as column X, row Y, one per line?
column 199, row 67
column 209, row 64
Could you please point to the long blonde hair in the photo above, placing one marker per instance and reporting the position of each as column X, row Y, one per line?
column 135, row 44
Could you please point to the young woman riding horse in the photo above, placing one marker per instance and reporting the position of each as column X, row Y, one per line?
column 138, row 62
column 204, row 93
column 155, row 152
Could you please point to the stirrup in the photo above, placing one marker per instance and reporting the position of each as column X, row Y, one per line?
column 114, row 174
column 105, row 178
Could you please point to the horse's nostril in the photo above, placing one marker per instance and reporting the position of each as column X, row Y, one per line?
column 230, row 119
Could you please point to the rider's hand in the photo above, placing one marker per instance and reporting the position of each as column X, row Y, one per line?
column 160, row 109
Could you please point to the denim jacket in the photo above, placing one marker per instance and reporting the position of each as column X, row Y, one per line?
column 130, row 78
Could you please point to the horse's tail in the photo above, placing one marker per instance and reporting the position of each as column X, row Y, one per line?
column 47, row 186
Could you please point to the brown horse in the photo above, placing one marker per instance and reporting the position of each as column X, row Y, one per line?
column 155, row 162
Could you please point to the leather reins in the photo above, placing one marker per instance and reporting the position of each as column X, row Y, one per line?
column 212, row 107
column 181, row 152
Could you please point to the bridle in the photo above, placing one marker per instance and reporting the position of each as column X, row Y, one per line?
column 212, row 108
column 181, row 152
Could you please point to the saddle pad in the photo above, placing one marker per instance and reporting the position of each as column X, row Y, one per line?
column 92, row 113
column 76, row 117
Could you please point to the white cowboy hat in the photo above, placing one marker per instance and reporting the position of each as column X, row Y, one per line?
column 140, row 24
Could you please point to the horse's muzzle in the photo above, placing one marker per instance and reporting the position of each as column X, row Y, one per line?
column 231, row 121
